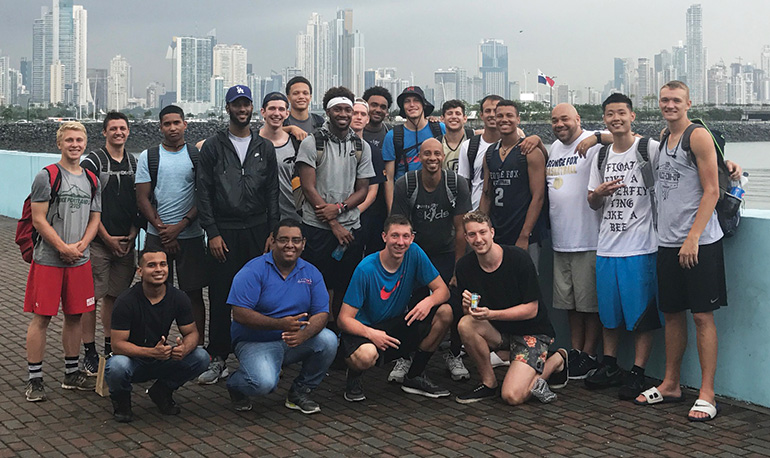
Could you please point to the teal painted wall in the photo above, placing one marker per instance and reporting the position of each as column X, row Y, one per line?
column 17, row 171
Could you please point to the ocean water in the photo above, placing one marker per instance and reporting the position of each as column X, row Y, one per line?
column 754, row 157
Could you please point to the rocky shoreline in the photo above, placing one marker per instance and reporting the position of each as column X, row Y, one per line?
column 41, row 137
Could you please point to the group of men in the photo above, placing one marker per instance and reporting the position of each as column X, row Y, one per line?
column 347, row 239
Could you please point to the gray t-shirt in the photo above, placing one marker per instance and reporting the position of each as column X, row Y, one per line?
column 336, row 176
column 285, row 156
column 241, row 145
column 306, row 125
column 68, row 214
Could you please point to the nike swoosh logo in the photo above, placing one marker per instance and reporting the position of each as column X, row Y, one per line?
column 385, row 295
column 713, row 301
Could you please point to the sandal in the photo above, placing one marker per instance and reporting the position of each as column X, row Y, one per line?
column 653, row 396
column 705, row 407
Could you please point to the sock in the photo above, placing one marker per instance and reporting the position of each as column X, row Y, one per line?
column 352, row 373
column 107, row 345
column 35, row 370
column 70, row 364
column 610, row 361
column 419, row 362
column 636, row 370
column 90, row 347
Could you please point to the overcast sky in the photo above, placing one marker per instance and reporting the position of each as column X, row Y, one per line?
column 575, row 41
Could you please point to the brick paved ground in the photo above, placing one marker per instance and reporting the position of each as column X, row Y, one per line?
column 388, row 423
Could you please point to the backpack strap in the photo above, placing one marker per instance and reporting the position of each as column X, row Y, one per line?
column 294, row 143
column 93, row 180
column 686, row 136
column 320, row 145
column 153, row 163
column 642, row 148
column 412, row 178
column 194, row 154
column 435, row 129
column 601, row 163
column 468, row 131
column 398, row 143
column 359, row 148
column 54, row 180
column 318, row 120
column 473, row 150
column 450, row 183
column 104, row 160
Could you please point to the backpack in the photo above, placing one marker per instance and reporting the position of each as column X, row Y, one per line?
column 473, row 150
column 26, row 234
column 645, row 167
column 450, row 185
column 153, row 163
column 320, row 147
column 727, row 213
column 398, row 142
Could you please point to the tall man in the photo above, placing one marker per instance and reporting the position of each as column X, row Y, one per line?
column 280, row 309
column 454, row 118
column 334, row 168
column 61, row 270
column 112, row 252
column 165, row 194
column 471, row 161
column 300, row 94
column 435, row 200
column 237, row 204
column 375, row 320
column 144, row 349
column 574, row 235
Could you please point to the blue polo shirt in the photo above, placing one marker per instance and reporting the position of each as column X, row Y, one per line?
column 380, row 295
column 259, row 286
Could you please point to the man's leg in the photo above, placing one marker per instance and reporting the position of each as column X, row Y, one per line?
column 479, row 336
column 175, row 373
column 316, row 354
column 361, row 355
column 118, row 373
column 36, row 336
column 576, row 329
column 528, row 372
column 260, row 366
column 706, row 332
column 416, row 380
column 192, row 271
column 676, row 343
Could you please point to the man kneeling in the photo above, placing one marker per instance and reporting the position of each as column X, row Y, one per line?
column 376, row 322
column 280, row 309
column 501, row 300
column 141, row 321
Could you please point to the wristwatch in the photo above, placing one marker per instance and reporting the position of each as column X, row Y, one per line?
column 598, row 136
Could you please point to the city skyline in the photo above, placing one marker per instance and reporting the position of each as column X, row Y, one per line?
column 460, row 37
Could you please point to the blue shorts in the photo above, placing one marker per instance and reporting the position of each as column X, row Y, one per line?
column 627, row 291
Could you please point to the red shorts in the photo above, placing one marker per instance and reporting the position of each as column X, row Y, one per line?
column 49, row 286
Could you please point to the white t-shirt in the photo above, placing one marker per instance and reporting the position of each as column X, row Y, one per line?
column 241, row 145
column 477, row 183
column 627, row 227
column 574, row 226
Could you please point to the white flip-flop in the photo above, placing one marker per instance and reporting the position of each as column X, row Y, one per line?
column 704, row 407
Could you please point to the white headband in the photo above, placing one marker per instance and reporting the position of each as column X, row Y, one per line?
column 339, row 101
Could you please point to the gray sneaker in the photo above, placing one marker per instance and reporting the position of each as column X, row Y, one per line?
column 78, row 381
column 542, row 392
column 35, row 391
column 300, row 400
column 217, row 370
column 399, row 370
column 456, row 367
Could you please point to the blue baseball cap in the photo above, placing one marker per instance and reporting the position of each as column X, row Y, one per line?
column 237, row 92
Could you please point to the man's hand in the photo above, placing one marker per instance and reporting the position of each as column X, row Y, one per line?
column 70, row 253
column 736, row 172
column 169, row 232
column 467, row 301
column 480, row 313
column 523, row 242
column 294, row 338
column 382, row 340
column 344, row 236
column 172, row 247
column 453, row 281
column 178, row 353
column 419, row 312
column 688, row 254
column 218, row 248
column 529, row 144
column 161, row 350
column 608, row 188
column 114, row 244
column 326, row 212
column 585, row 145
column 296, row 131
column 293, row 323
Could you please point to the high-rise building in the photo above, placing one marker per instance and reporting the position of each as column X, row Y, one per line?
column 447, row 82
column 25, row 69
column 664, row 69
column 764, row 81
column 493, row 66
column 369, row 77
column 97, row 87
column 357, row 69
column 80, row 58
column 695, row 54
column 42, row 37
column 230, row 64
column 514, row 90
column 620, row 75
column 118, row 84
column 679, row 62
column 64, row 48
column 5, row 81
column 192, row 68
column 57, row 91
column 717, row 84
column 643, row 81
column 153, row 94
column 475, row 89
column 562, row 93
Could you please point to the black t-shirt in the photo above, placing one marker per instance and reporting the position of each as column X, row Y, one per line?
column 119, row 211
column 432, row 215
column 147, row 323
column 514, row 282
column 375, row 139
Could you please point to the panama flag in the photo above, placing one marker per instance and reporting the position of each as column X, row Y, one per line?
column 542, row 79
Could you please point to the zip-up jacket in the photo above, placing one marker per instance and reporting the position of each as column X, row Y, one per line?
column 235, row 196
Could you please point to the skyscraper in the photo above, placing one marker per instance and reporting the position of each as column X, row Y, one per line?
column 97, row 87
column 230, row 64
column 450, row 84
column 192, row 68
column 764, row 82
column 620, row 75
column 64, row 47
column 493, row 66
column 42, row 37
column 80, row 59
column 695, row 54
column 118, row 83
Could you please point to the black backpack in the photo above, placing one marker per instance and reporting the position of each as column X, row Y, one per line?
column 473, row 150
column 450, row 185
column 398, row 142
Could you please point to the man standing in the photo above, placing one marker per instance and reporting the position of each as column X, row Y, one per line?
column 453, row 117
column 574, row 235
column 300, row 94
column 501, row 297
column 334, row 167
column 375, row 320
column 435, row 200
column 60, row 271
column 165, row 194
column 280, row 309
column 112, row 252
column 237, row 204
column 143, row 348
column 471, row 161
column 401, row 147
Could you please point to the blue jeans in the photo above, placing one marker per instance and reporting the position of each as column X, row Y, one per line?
column 122, row 370
column 260, row 364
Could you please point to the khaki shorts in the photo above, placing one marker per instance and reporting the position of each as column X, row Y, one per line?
column 112, row 274
column 574, row 281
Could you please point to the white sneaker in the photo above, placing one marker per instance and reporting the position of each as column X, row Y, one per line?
column 399, row 370
column 456, row 367
column 497, row 361
column 217, row 370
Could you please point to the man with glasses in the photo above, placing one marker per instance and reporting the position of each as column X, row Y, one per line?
column 280, row 309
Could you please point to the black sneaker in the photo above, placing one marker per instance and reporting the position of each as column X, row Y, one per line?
column 479, row 393
column 559, row 379
column 91, row 363
column 35, row 391
column 605, row 377
column 423, row 386
column 583, row 366
column 162, row 396
column 354, row 388
column 78, row 381
column 241, row 402
column 300, row 400
column 632, row 386
column 121, row 407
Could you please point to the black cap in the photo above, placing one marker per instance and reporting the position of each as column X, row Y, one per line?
column 416, row 91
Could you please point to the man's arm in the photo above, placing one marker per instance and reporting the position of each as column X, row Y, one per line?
column 519, row 312
column 143, row 191
column 439, row 295
column 205, row 183
column 94, row 221
column 187, row 342
column 272, row 188
column 348, row 323
column 486, row 189
column 121, row 346
column 371, row 196
column 536, row 172
column 460, row 242
column 390, row 172
column 401, row 200
column 255, row 320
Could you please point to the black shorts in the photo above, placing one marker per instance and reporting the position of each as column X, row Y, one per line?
column 409, row 336
column 318, row 251
column 190, row 261
column 700, row 289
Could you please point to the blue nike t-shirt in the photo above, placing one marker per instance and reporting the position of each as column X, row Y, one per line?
column 380, row 295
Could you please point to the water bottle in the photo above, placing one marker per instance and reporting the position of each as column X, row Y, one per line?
column 736, row 188
column 339, row 252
